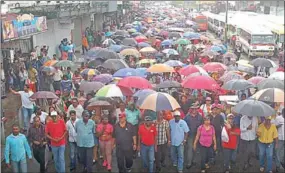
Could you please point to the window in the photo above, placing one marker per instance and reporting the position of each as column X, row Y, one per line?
column 262, row 39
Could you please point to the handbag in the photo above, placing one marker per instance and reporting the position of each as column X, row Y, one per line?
column 225, row 136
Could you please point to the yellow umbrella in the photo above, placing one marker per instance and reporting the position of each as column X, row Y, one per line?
column 146, row 61
column 131, row 52
column 244, row 63
column 160, row 68
column 148, row 50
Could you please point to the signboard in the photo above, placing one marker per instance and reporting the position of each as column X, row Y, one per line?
column 24, row 25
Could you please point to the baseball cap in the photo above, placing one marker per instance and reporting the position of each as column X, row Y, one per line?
column 53, row 113
column 208, row 99
column 230, row 116
column 147, row 118
column 176, row 113
column 268, row 118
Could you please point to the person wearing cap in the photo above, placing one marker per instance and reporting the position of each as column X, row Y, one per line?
column 56, row 132
column 126, row 142
column 207, row 142
column 147, row 143
column 76, row 107
column 194, row 120
column 267, row 135
column 206, row 108
column 39, row 113
column 178, row 137
column 85, row 129
column 230, row 146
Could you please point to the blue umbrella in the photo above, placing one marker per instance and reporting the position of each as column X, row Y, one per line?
column 191, row 35
column 142, row 94
column 174, row 63
column 166, row 43
column 143, row 44
column 224, row 49
column 116, row 48
column 124, row 72
column 216, row 49
column 108, row 34
column 142, row 71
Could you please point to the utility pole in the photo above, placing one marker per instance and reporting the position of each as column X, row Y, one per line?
column 226, row 22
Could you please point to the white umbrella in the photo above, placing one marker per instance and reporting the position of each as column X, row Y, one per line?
column 277, row 75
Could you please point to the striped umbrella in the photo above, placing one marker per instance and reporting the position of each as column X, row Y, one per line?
column 142, row 94
column 112, row 90
column 270, row 95
column 159, row 101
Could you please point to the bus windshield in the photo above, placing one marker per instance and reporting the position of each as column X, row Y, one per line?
column 262, row 39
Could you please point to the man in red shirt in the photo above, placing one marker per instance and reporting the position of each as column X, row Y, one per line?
column 147, row 143
column 56, row 132
column 230, row 146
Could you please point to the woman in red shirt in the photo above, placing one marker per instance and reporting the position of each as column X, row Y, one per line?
column 230, row 146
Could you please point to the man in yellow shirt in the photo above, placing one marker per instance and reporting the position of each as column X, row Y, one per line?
column 267, row 134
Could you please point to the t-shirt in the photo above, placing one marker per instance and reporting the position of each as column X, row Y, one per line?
column 56, row 130
column 25, row 98
column 79, row 110
column 108, row 132
column 147, row 135
column 43, row 117
column 232, row 144
column 206, row 136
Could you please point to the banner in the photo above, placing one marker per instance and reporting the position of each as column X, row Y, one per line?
column 24, row 25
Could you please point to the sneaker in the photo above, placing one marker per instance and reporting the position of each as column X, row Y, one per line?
column 175, row 165
column 261, row 169
column 203, row 171
column 128, row 170
column 105, row 163
column 109, row 168
column 188, row 166
column 207, row 166
column 94, row 161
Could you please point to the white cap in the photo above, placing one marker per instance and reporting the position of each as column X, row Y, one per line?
column 176, row 113
column 53, row 113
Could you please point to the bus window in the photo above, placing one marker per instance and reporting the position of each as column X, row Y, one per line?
column 262, row 39
column 281, row 38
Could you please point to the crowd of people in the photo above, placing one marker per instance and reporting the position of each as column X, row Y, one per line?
column 203, row 124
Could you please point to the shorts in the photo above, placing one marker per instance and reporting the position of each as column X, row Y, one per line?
column 96, row 140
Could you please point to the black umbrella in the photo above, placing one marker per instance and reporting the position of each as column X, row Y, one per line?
column 168, row 84
column 102, row 53
column 174, row 34
column 96, row 62
column 115, row 64
column 90, row 86
column 129, row 42
column 261, row 62
column 118, row 37
column 238, row 84
column 121, row 32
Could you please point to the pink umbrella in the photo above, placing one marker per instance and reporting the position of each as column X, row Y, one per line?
column 215, row 67
column 200, row 82
column 256, row 79
column 135, row 82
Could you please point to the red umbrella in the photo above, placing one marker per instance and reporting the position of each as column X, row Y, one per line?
column 200, row 82
column 126, row 91
column 256, row 79
column 140, row 38
column 215, row 67
column 190, row 69
column 135, row 82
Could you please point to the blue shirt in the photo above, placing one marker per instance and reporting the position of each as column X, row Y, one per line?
column 85, row 133
column 133, row 116
column 17, row 146
column 177, row 131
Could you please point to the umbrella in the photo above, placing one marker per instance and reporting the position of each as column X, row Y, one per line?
column 94, row 63
column 108, row 42
column 182, row 41
column 253, row 108
column 174, row 35
column 137, row 23
column 142, row 72
column 108, row 34
column 121, row 33
column 103, row 78
column 160, row 68
column 115, row 64
column 191, row 35
column 146, row 61
column 148, row 50
column 174, row 63
column 277, row 75
column 142, row 94
column 176, row 29
column 256, row 79
column 230, row 55
column 110, row 90
column 135, row 82
column 261, row 62
column 209, row 53
column 159, row 102
column 116, row 48
column 143, row 44
column 164, row 33
column 168, row 84
column 48, row 69
column 129, row 42
column 44, row 95
column 270, row 95
column 136, row 34
column 200, row 82
column 90, row 86
column 50, row 62
column 214, row 67
column 125, row 72
column 102, row 53
column 89, row 72
column 238, row 84
column 141, row 38
column 64, row 63
column 191, row 69
column 270, row 83
column 170, row 52
column 130, row 52
column 166, row 42
column 98, row 103
column 216, row 49
column 230, row 75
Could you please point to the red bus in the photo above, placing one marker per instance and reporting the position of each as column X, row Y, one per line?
column 201, row 21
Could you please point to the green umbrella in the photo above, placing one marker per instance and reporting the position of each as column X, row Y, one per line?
column 182, row 41
column 132, row 30
column 137, row 23
column 64, row 63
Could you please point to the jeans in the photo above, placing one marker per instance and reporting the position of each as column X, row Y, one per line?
column 266, row 149
column 228, row 155
column 19, row 167
column 86, row 157
column 147, row 154
column 73, row 154
column 236, row 151
column 177, row 155
column 160, row 155
column 206, row 153
column 248, row 149
column 189, row 152
column 280, row 153
column 58, row 156
column 39, row 154
column 124, row 158
column 26, row 113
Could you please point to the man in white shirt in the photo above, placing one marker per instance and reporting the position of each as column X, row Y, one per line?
column 70, row 126
column 248, row 128
column 279, row 122
column 76, row 107
column 57, row 76
column 42, row 115
column 27, row 104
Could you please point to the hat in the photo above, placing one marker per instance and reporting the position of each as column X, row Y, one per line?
column 53, row 113
column 230, row 116
column 208, row 99
column 121, row 115
column 195, row 105
column 268, row 118
column 147, row 118
column 57, row 92
column 176, row 113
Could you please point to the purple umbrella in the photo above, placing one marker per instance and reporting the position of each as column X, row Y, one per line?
column 44, row 95
column 103, row 78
